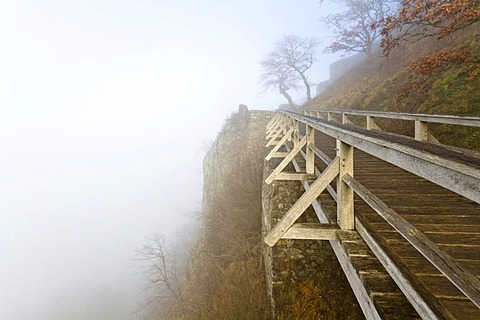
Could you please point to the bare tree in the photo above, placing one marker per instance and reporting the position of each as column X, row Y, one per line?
column 287, row 64
column 357, row 28
column 159, row 266
column 275, row 75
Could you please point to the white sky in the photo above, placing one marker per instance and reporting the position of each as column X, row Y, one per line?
column 104, row 109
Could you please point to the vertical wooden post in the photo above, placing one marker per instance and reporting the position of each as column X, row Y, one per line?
column 318, row 114
column 345, row 215
column 370, row 123
column 310, row 166
column 296, row 132
column 421, row 131
column 345, row 119
column 289, row 121
column 329, row 116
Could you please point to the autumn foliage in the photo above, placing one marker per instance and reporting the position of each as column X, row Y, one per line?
column 418, row 19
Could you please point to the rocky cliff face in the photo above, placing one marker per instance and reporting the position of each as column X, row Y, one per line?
column 233, row 274
column 227, row 278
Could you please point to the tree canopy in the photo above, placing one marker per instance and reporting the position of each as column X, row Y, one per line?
column 417, row 19
column 286, row 66
column 356, row 28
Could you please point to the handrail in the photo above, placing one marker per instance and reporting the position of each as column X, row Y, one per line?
column 432, row 118
column 446, row 166
column 439, row 164
column 463, row 279
column 451, row 168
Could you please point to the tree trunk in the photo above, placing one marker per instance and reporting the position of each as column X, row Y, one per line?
column 305, row 82
column 287, row 96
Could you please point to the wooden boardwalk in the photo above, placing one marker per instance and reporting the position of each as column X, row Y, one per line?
column 393, row 277
column 448, row 219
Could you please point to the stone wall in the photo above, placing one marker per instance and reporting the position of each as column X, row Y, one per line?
column 301, row 274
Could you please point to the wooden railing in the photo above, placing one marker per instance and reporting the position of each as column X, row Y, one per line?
column 421, row 120
column 442, row 165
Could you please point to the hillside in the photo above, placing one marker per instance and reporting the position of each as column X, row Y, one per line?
column 387, row 84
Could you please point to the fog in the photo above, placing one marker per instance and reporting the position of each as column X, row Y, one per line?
column 105, row 111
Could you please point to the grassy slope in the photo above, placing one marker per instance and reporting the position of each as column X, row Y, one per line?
column 376, row 84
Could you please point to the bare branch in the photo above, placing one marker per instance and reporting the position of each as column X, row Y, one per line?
column 286, row 66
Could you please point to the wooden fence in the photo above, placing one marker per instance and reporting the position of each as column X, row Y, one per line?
column 452, row 168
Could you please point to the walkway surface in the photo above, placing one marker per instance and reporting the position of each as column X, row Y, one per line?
column 450, row 220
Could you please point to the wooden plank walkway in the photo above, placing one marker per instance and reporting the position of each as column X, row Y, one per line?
column 449, row 220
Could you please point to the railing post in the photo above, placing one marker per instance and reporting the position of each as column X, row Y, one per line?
column 310, row 165
column 290, row 123
column 421, row 130
column 296, row 132
column 329, row 116
column 345, row 119
column 318, row 114
column 345, row 214
column 370, row 123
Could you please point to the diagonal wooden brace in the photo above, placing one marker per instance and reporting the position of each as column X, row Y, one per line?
column 275, row 135
column 279, row 144
column 303, row 203
column 276, row 126
column 272, row 123
column 287, row 160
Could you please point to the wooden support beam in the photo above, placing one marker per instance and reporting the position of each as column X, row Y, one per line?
column 432, row 138
column 345, row 211
column 296, row 133
column 460, row 276
column 279, row 144
column 371, row 124
column 297, row 176
column 421, row 298
column 286, row 161
column 421, row 130
column 346, row 119
column 310, row 156
column 451, row 174
column 272, row 122
column 280, row 154
column 303, row 203
column 276, row 133
column 273, row 126
column 277, row 126
column 312, row 231
column 306, row 185
column 326, row 159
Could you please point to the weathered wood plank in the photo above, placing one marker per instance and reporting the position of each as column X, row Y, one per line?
column 286, row 161
column 279, row 144
column 433, row 118
column 437, row 165
column 310, row 155
column 294, row 176
column 276, row 134
column 418, row 295
column 458, row 274
column 302, row 204
column 312, row 231
column 279, row 155
column 345, row 203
